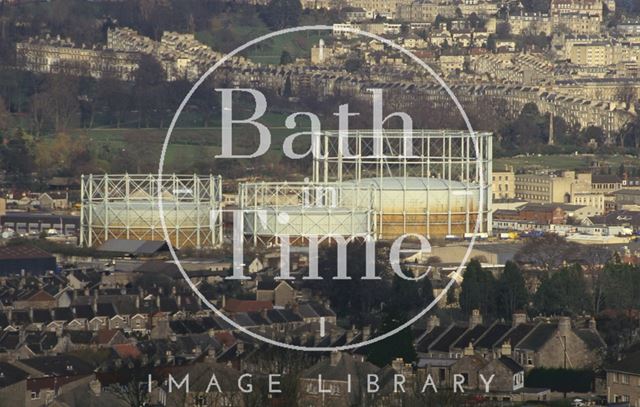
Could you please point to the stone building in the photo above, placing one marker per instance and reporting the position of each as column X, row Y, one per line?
column 578, row 16
column 530, row 23
column 503, row 184
column 56, row 55
column 623, row 380
column 588, row 7
column 280, row 293
column 332, row 374
column 591, row 199
column 547, row 188
column 386, row 8
column 557, row 343
column 509, row 376
column 627, row 198
column 560, row 345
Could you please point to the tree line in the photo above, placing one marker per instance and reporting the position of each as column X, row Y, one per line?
column 553, row 287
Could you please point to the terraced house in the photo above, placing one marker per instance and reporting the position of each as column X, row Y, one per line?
column 623, row 381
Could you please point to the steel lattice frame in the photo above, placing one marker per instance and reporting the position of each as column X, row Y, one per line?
column 448, row 155
column 445, row 161
column 300, row 210
column 443, row 154
column 125, row 206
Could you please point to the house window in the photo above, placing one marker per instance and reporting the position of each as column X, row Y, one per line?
column 624, row 379
column 620, row 398
column 517, row 379
column 35, row 395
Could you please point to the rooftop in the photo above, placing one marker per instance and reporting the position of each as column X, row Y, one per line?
column 23, row 252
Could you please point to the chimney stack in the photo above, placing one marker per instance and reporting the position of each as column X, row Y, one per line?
column 96, row 387
column 469, row 351
column 475, row 319
column 518, row 318
column 505, row 349
column 564, row 326
column 366, row 332
column 397, row 364
column 335, row 358
column 432, row 322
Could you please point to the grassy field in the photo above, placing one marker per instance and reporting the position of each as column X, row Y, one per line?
column 190, row 144
column 187, row 144
column 230, row 30
column 564, row 161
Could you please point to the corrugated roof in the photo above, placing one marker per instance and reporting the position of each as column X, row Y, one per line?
column 133, row 246
column 23, row 252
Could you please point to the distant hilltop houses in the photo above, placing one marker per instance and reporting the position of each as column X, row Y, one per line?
column 180, row 55
column 516, row 78
column 567, row 59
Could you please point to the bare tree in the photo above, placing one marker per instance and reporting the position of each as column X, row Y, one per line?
column 62, row 90
column 132, row 393
column 38, row 110
column 548, row 253
column 5, row 117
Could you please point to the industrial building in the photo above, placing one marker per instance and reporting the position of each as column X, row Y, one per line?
column 435, row 183
column 25, row 258
column 126, row 206
column 364, row 185
column 37, row 222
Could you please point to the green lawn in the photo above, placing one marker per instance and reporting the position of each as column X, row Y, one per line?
column 193, row 144
column 564, row 161
column 189, row 144
column 231, row 30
